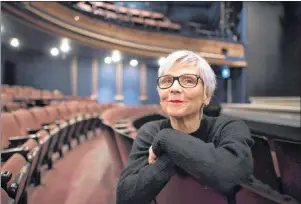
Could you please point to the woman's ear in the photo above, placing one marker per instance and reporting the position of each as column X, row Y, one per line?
column 206, row 99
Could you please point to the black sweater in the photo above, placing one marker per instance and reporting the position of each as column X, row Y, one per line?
column 219, row 153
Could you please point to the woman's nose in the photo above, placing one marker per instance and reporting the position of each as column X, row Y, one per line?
column 176, row 87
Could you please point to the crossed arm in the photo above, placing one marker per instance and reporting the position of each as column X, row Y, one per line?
column 140, row 182
column 222, row 166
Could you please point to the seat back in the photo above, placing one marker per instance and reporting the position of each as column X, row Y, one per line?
column 289, row 158
column 124, row 145
column 63, row 111
column 6, row 98
column 110, row 140
column 184, row 189
column 12, row 106
column 46, row 94
column 263, row 163
column 93, row 108
column 53, row 113
column 73, row 108
column 57, row 94
column 14, row 165
column 34, row 152
column 9, row 128
column 254, row 191
column 138, row 122
column 26, row 120
column 4, row 197
column 35, row 94
column 30, row 144
column 250, row 196
column 82, row 107
column 40, row 115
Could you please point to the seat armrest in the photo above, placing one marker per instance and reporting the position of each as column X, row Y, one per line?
column 15, row 141
column 7, row 153
column 46, row 127
column 5, row 177
column 32, row 131
column 57, row 122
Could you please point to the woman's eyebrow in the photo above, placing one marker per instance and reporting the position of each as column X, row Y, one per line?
column 182, row 74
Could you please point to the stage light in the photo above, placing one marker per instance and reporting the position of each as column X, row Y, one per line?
column 133, row 63
column 65, row 48
column 15, row 42
column 65, row 41
column 116, row 56
column 108, row 60
column 225, row 72
column 65, row 45
column 54, row 51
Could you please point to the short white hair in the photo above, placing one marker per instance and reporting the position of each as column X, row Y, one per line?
column 185, row 57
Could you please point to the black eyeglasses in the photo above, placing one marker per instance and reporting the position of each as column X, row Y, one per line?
column 185, row 80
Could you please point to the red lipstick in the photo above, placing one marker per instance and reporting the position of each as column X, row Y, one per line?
column 176, row 101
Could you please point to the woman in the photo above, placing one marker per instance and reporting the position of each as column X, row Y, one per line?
column 211, row 149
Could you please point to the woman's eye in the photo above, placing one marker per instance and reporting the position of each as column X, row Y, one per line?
column 166, row 81
column 188, row 81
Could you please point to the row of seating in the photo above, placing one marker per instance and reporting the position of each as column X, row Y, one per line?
column 15, row 97
column 263, row 187
column 115, row 115
column 31, row 137
column 128, row 15
column 22, row 92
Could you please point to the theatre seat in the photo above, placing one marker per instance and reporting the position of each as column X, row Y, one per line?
column 59, row 127
column 264, row 167
column 9, row 128
column 31, row 125
column 38, row 145
column 124, row 144
column 65, row 123
column 254, row 191
column 289, row 158
column 110, row 140
column 5, row 199
column 19, row 169
column 26, row 120
column 184, row 189
column 76, row 121
column 145, row 119
column 150, row 22
column 33, row 157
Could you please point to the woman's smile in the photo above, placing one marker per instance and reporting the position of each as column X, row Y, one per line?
column 175, row 101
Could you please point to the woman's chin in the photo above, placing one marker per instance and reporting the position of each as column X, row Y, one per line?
column 176, row 112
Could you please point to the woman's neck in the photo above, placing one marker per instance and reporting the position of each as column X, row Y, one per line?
column 188, row 124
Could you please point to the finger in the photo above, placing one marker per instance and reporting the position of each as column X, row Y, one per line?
column 152, row 156
column 151, row 161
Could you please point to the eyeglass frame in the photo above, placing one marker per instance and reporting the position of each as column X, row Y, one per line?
column 177, row 78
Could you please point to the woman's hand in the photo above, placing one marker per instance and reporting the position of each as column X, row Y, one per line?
column 152, row 157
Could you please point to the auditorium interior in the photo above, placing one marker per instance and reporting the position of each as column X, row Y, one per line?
column 79, row 79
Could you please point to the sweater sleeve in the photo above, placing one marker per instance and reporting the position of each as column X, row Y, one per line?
column 140, row 182
column 223, row 166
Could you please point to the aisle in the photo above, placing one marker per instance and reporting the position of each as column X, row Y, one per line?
column 82, row 176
